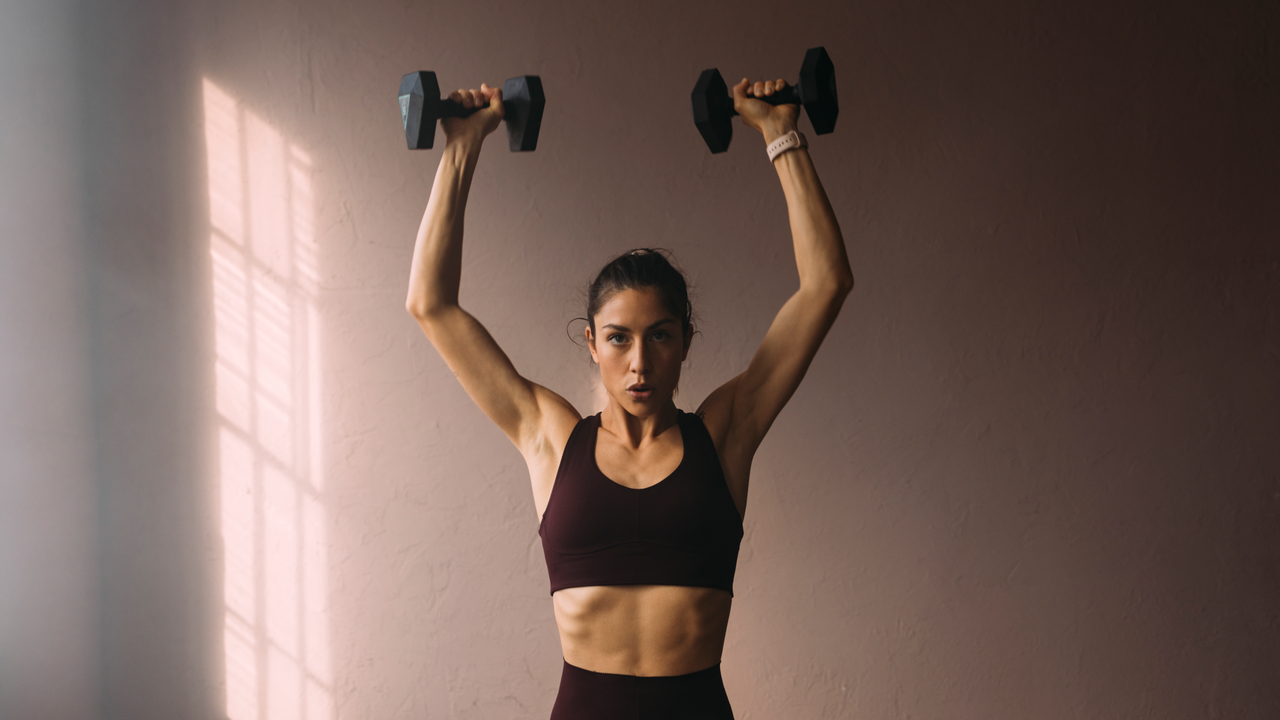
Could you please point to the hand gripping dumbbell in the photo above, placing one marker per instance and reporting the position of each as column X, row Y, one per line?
column 421, row 106
column 816, row 91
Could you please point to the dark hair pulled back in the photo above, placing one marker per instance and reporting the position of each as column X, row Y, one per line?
column 642, row 268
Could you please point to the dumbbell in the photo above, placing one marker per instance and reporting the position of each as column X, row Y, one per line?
column 816, row 91
column 421, row 106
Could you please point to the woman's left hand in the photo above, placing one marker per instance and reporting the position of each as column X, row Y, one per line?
column 773, row 121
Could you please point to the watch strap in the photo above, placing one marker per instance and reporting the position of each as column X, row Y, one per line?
column 790, row 141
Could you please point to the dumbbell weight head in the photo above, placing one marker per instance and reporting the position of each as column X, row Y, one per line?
column 419, row 93
column 713, row 110
column 815, row 90
column 523, row 103
column 421, row 106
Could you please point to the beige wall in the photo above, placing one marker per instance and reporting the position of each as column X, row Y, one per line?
column 1032, row 473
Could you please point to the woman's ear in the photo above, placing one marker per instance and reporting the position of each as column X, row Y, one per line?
column 591, row 344
column 688, row 340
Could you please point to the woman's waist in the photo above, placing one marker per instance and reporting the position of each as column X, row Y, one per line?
column 644, row 630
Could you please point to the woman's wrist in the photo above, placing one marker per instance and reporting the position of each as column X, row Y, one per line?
column 463, row 147
column 774, row 131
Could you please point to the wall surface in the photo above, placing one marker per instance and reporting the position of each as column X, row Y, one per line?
column 1032, row 472
column 49, row 642
column 144, row 206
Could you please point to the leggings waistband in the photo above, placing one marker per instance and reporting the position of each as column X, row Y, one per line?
column 589, row 695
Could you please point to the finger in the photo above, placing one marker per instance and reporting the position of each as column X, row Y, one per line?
column 740, row 90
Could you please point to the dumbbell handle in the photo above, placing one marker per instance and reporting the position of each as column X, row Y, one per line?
column 788, row 95
column 449, row 107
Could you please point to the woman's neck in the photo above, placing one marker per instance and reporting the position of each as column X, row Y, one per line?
column 634, row 429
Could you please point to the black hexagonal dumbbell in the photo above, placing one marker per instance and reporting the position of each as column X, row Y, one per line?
column 816, row 90
column 421, row 106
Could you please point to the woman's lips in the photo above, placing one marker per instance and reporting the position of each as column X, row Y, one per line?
column 640, row 391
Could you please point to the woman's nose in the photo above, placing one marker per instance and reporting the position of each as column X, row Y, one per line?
column 640, row 358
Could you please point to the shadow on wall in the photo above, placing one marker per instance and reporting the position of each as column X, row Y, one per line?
column 271, row 480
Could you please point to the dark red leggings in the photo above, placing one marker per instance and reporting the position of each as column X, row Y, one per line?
column 587, row 695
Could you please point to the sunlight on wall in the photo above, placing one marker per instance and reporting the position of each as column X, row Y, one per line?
column 267, row 327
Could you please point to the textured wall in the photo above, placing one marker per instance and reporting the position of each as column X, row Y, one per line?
column 1032, row 473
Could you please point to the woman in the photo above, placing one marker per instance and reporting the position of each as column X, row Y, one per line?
column 641, row 505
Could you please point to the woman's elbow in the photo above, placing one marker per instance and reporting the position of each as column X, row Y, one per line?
column 837, row 287
column 422, row 311
column 415, row 307
column 844, row 283
column 421, row 303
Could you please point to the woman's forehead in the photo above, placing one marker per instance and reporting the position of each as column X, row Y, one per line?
column 639, row 304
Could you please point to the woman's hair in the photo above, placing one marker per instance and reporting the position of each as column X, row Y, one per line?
column 642, row 268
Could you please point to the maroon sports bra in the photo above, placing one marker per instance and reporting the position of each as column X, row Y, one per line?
column 683, row 531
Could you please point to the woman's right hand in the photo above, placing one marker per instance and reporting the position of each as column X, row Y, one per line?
column 475, row 128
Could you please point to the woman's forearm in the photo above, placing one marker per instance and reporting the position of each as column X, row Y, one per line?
column 437, row 254
column 819, row 246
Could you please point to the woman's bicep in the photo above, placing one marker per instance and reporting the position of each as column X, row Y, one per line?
column 780, row 363
column 486, row 373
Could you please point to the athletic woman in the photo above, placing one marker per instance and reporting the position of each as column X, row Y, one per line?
column 641, row 505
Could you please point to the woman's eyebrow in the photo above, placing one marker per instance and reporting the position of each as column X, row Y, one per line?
column 627, row 329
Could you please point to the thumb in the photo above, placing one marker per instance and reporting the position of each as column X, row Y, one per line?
column 495, row 99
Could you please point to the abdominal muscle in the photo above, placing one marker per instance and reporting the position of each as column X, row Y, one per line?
column 643, row 630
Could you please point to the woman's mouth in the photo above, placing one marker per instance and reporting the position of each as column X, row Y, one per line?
column 640, row 391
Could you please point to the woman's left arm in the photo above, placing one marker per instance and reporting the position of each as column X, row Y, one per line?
column 741, row 411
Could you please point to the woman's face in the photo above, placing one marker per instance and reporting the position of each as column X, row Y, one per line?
column 639, row 347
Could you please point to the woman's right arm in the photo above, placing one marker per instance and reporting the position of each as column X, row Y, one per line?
column 528, row 413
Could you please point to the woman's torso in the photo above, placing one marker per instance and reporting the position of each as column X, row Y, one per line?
column 641, row 626
column 643, row 630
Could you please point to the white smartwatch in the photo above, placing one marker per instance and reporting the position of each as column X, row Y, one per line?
column 790, row 141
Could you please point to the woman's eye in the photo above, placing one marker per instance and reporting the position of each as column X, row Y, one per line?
column 617, row 339
column 661, row 335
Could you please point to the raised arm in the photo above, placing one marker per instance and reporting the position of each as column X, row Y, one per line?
column 741, row 411
column 518, row 406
